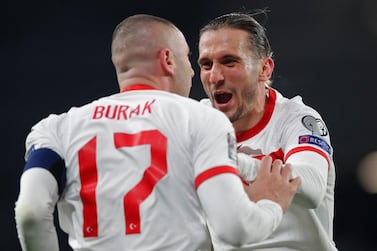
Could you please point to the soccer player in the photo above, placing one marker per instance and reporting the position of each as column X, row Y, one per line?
column 236, row 65
column 143, row 169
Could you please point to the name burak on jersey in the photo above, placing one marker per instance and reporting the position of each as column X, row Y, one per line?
column 122, row 112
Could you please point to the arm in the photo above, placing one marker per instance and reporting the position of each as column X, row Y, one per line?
column 247, row 166
column 306, row 145
column 34, row 210
column 311, row 167
column 237, row 220
column 233, row 218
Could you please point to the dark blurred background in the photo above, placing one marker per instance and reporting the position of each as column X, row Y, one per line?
column 56, row 54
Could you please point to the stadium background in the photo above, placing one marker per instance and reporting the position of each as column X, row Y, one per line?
column 56, row 54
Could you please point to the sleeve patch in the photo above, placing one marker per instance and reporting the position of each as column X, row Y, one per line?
column 314, row 140
column 315, row 125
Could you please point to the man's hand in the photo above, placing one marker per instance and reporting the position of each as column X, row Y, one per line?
column 273, row 183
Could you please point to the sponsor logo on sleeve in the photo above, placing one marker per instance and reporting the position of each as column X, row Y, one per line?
column 315, row 125
column 314, row 140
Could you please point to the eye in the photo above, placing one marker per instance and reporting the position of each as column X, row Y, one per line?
column 229, row 61
column 205, row 65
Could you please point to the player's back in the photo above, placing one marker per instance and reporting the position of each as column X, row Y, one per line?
column 130, row 172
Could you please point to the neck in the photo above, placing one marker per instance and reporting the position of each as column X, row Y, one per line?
column 147, row 81
column 255, row 113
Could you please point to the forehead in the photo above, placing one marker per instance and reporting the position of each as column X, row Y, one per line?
column 224, row 39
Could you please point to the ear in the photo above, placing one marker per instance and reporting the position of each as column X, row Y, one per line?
column 266, row 69
column 167, row 61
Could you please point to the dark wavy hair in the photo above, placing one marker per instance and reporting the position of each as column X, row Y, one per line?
column 259, row 43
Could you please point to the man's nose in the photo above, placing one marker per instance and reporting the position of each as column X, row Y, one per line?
column 216, row 75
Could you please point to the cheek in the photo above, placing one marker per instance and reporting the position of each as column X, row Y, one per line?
column 204, row 78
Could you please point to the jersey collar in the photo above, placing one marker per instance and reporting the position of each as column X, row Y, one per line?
column 137, row 87
column 270, row 106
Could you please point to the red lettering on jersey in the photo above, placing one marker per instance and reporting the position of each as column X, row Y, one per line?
column 147, row 107
column 108, row 110
column 123, row 112
column 98, row 112
column 135, row 111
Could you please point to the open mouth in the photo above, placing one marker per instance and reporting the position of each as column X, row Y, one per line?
column 222, row 97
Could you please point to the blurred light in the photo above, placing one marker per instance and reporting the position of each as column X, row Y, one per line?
column 367, row 172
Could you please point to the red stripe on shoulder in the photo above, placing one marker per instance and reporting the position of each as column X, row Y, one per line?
column 213, row 172
column 307, row 148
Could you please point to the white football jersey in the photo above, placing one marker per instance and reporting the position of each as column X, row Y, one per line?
column 132, row 162
column 295, row 133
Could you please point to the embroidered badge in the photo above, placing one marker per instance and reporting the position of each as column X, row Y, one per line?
column 315, row 125
column 314, row 140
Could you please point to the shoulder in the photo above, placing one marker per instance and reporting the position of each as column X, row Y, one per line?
column 294, row 106
column 206, row 101
column 294, row 110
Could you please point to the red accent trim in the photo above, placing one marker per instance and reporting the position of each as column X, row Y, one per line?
column 258, row 156
column 137, row 87
column 270, row 106
column 244, row 182
column 278, row 154
column 307, row 148
column 213, row 172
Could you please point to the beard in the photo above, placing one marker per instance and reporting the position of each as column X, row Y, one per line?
column 246, row 103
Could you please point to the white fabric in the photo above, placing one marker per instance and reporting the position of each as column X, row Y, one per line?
column 308, row 224
column 312, row 169
column 171, row 216
column 254, row 222
column 309, row 166
column 247, row 167
column 34, row 210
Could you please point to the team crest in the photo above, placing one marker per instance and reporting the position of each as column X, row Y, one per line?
column 315, row 125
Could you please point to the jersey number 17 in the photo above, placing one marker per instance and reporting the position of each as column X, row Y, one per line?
column 133, row 198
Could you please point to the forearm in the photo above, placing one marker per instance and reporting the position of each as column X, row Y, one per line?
column 34, row 211
column 312, row 168
column 238, row 221
column 247, row 166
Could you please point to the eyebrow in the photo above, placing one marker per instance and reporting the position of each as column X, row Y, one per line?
column 224, row 57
